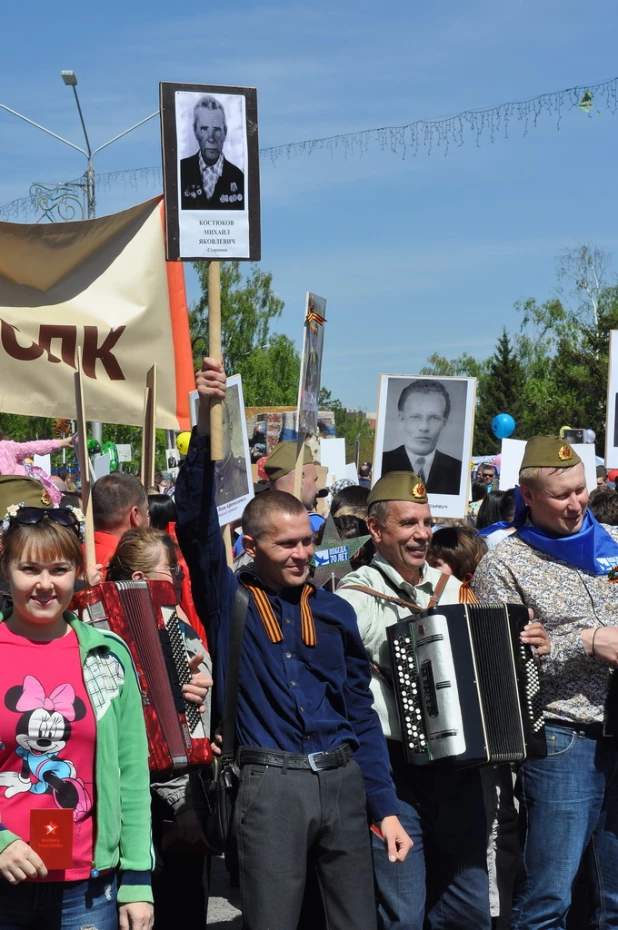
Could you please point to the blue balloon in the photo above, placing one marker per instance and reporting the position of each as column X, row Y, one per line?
column 503, row 425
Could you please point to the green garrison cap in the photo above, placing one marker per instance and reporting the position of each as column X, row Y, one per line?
column 15, row 489
column 548, row 452
column 282, row 460
column 398, row 486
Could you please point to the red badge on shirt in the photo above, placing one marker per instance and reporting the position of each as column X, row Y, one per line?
column 51, row 836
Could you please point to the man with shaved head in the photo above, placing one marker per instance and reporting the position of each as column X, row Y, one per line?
column 311, row 751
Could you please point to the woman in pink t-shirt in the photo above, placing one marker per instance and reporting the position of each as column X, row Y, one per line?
column 73, row 749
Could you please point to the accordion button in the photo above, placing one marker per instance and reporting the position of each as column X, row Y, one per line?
column 94, row 873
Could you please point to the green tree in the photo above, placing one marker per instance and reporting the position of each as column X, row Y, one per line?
column 25, row 429
column 116, row 433
column 580, row 368
column 268, row 362
column 463, row 366
column 502, row 392
column 270, row 375
column 351, row 425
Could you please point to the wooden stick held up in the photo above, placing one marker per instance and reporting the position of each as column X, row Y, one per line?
column 84, row 461
column 149, row 434
column 298, row 471
column 214, row 349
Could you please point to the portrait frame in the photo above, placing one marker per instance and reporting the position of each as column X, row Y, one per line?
column 225, row 227
column 311, row 365
column 449, row 469
column 231, row 508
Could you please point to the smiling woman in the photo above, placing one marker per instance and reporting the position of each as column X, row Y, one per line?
column 68, row 695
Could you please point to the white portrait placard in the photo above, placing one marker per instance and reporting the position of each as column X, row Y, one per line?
column 210, row 172
column 427, row 423
column 233, row 477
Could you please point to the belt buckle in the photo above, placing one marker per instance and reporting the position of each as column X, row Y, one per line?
column 312, row 763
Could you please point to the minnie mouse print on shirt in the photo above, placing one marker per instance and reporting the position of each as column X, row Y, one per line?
column 42, row 733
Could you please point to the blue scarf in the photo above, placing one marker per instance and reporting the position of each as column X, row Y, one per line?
column 591, row 549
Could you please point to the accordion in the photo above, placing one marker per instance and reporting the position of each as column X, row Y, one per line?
column 467, row 690
column 143, row 614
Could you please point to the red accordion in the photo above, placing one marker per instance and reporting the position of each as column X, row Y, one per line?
column 143, row 614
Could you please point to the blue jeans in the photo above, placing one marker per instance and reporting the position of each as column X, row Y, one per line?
column 82, row 905
column 443, row 883
column 568, row 800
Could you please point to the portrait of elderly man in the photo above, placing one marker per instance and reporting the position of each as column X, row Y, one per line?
column 208, row 181
column 231, row 482
column 423, row 410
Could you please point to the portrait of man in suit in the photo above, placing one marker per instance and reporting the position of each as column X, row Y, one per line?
column 208, row 181
column 231, row 480
column 423, row 410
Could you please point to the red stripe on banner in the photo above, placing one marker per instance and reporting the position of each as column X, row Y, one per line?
column 179, row 318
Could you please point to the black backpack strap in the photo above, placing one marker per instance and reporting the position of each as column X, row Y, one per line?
column 230, row 705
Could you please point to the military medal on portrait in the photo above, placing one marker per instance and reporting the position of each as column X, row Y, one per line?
column 210, row 172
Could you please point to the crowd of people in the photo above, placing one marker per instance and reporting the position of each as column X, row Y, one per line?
column 332, row 826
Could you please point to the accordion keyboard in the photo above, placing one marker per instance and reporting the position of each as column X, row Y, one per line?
column 406, row 673
column 534, row 704
column 179, row 654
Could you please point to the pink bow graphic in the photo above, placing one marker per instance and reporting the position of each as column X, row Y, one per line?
column 61, row 699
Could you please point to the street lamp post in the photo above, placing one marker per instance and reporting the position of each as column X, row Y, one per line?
column 70, row 79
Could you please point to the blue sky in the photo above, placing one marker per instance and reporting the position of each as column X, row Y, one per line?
column 415, row 255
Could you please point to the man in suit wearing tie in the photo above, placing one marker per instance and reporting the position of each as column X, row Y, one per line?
column 423, row 410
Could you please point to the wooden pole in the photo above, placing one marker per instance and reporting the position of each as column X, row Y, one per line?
column 298, row 470
column 84, row 461
column 214, row 349
column 149, row 435
column 227, row 542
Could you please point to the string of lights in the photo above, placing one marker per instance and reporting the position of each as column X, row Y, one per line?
column 441, row 133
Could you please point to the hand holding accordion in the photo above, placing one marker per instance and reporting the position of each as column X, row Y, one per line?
column 467, row 690
column 143, row 614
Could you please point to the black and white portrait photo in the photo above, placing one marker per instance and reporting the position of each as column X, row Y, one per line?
column 425, row 425
column 211, row 172
column 233, row 479
column 208, row 179
column 311, row 365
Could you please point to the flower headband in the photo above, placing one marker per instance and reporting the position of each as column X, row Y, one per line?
column 29, row 516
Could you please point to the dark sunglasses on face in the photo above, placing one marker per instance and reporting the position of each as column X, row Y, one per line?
column 28, row 516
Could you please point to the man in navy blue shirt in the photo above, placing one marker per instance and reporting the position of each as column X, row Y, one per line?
column 312, row 754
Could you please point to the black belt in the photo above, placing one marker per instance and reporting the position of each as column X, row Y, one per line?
column 315, row 761
column 591, row 730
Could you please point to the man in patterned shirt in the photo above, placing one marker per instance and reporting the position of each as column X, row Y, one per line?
column 558, row 563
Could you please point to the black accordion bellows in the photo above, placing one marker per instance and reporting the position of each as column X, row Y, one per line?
column 467, row 690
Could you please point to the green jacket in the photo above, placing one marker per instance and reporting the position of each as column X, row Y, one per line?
column 122, row 824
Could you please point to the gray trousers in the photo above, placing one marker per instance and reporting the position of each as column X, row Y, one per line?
column 285, row 820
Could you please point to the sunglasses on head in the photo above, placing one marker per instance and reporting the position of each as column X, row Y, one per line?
column 28, row 516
